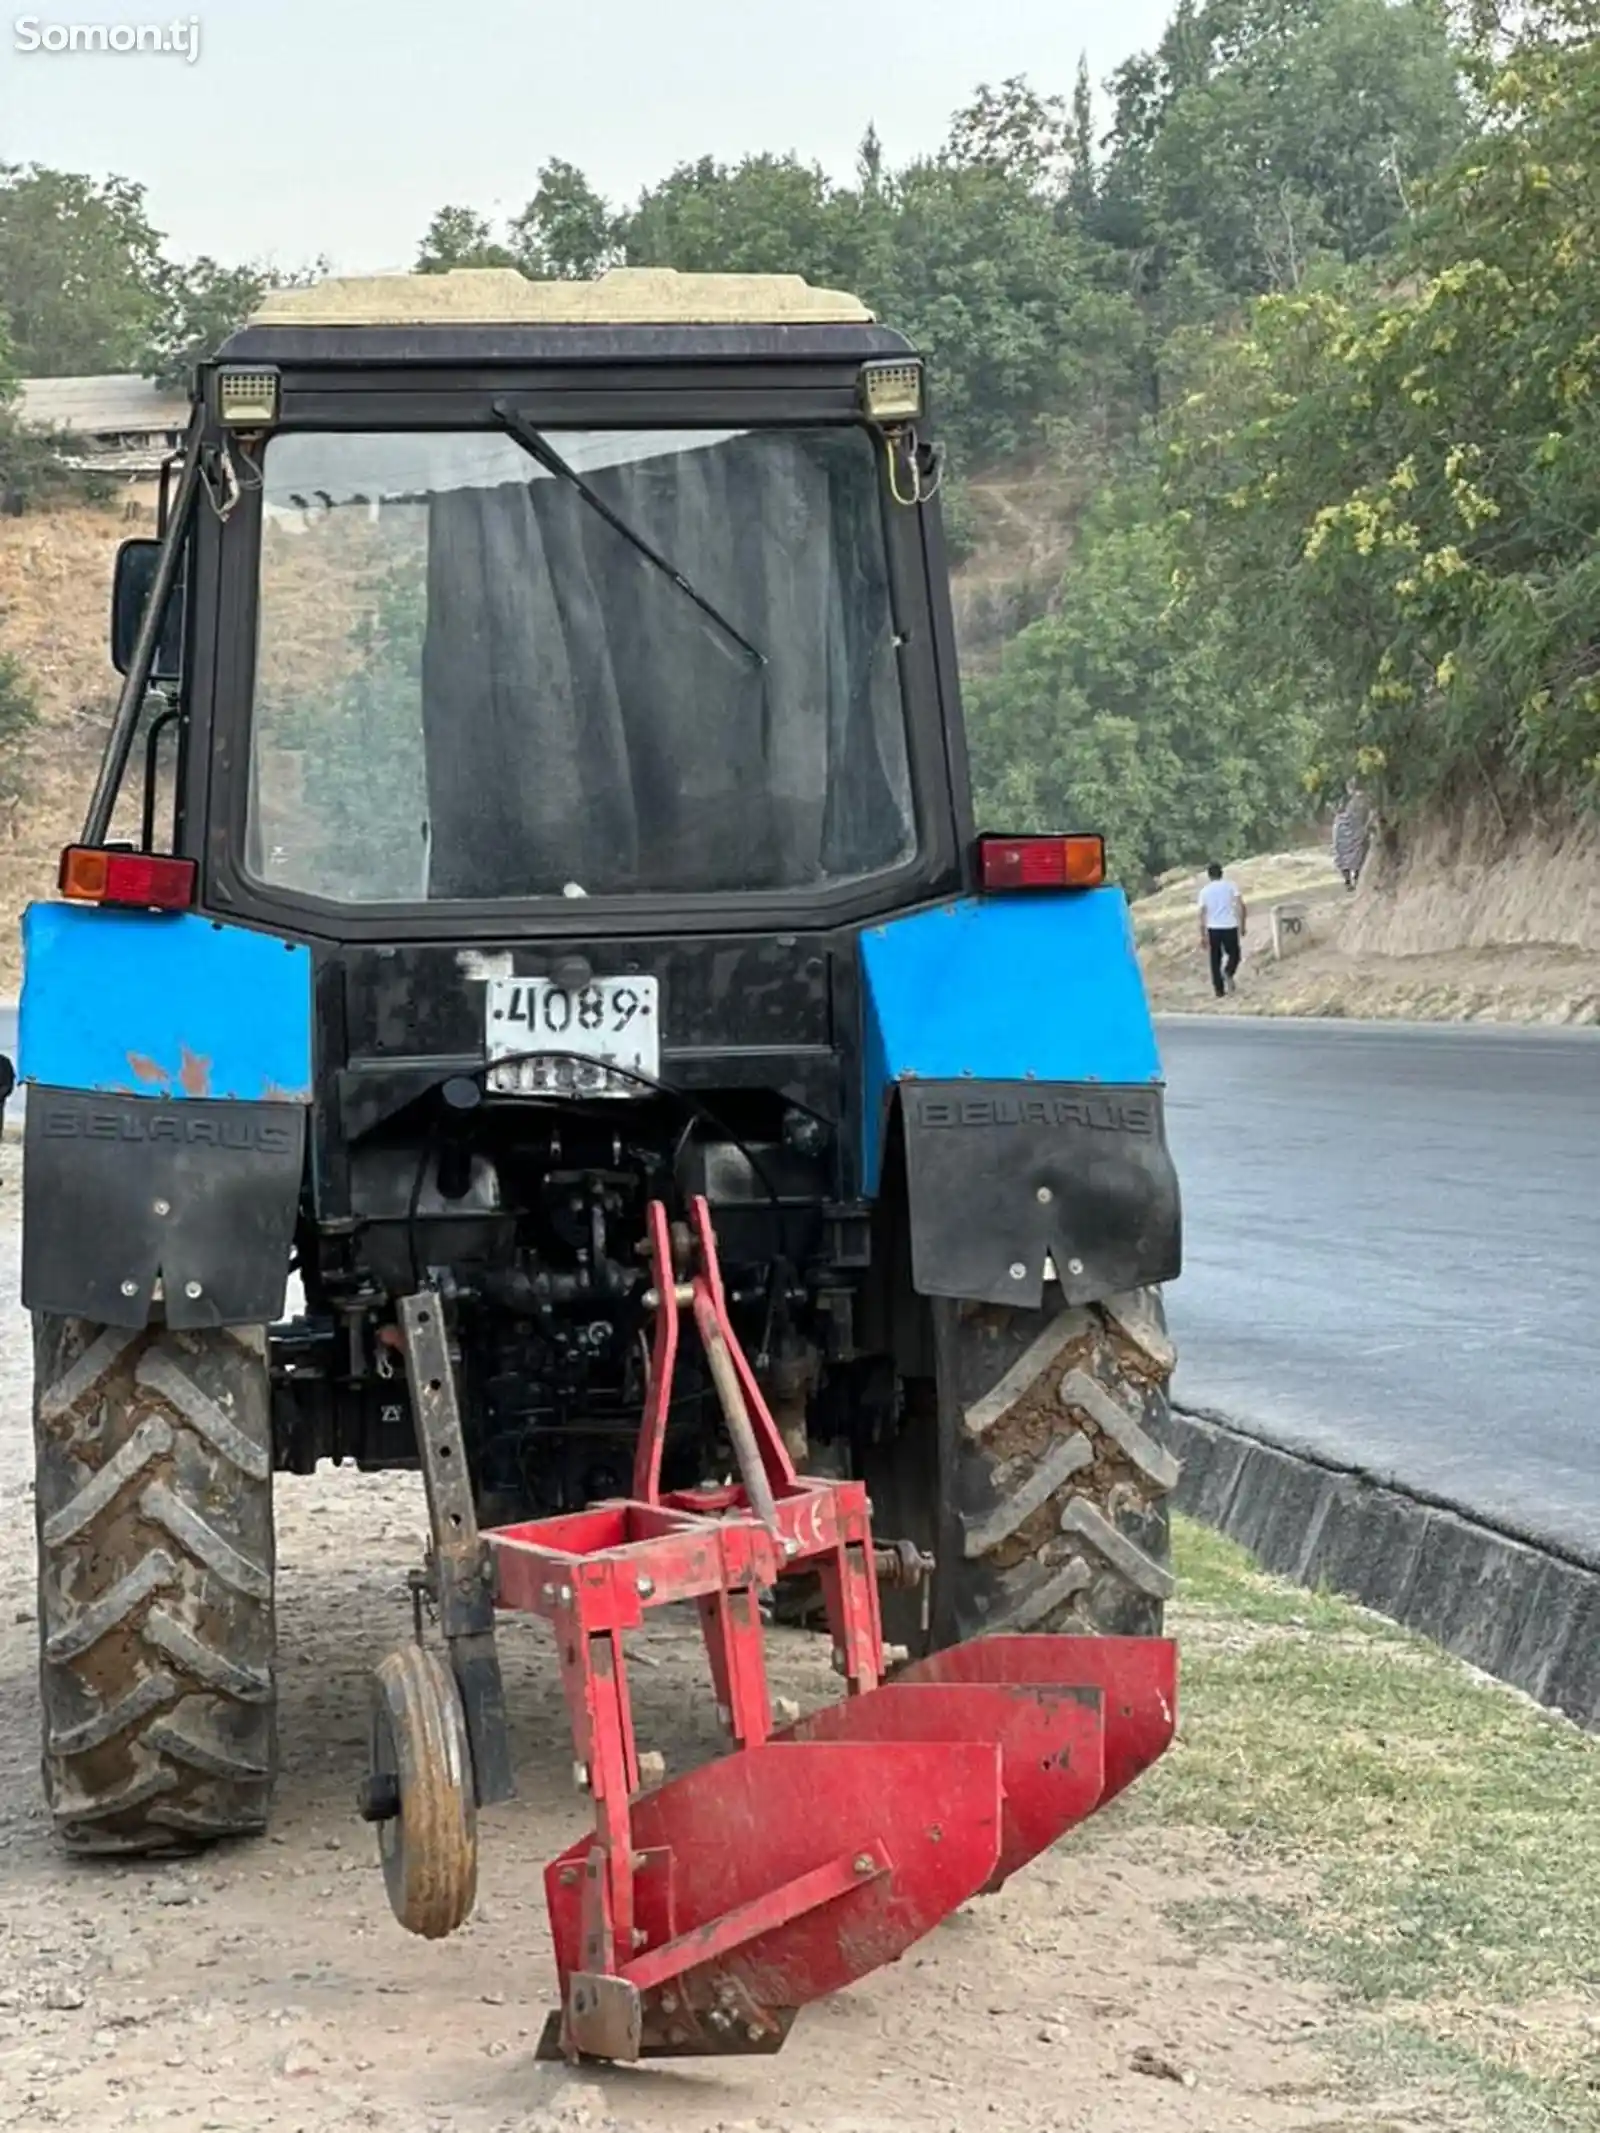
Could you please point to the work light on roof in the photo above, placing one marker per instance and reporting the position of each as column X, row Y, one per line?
column 247, row 399
column 891, row 392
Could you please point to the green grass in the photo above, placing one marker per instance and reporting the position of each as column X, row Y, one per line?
column 1442, row 1835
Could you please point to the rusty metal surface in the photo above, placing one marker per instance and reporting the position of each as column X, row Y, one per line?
column 736, row 1415
column 604, row 2016
column 902, row 1566
column 727, row 2020
column 721, row 2031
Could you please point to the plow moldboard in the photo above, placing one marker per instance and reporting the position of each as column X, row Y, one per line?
column 1051, row 1740
column 739, row 1831
column 1137, row 1678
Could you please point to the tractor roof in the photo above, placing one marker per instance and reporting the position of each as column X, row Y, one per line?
column 623, row 296
column 494, row 315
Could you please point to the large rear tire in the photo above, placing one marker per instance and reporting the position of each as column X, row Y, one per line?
column 154, row 1506
column 1034, row 1466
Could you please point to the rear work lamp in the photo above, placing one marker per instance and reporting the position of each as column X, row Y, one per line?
column 891, row 392
column 1075, row 862
column 247, row 399
column 131, row 881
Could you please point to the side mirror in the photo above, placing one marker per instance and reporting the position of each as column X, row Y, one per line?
column 130, row 595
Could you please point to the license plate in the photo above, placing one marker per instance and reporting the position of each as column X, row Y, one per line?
column 606, row 1024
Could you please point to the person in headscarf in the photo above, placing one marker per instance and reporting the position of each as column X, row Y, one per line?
column 1352, row 833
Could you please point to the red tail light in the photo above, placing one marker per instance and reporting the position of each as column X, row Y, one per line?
column 1077, row 862
column 137, row 881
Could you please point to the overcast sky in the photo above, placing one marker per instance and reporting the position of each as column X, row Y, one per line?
column 338, row 126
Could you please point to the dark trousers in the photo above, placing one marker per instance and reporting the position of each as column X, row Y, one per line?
column 1223, row 943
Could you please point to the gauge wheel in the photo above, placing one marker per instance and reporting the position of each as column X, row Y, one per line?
column 420, row 1793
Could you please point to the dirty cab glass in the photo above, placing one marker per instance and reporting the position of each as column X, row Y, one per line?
column 471, row 685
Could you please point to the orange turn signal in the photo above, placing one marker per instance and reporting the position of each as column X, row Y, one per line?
column 1076, row 862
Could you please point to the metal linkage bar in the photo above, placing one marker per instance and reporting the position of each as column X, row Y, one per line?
column 463, row 1569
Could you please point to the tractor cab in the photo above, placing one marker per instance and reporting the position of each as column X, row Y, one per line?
column 642, row 617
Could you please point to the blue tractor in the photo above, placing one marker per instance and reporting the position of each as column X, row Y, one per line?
column 537, row 797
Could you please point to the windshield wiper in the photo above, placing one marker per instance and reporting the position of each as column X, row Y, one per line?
column 538, row 447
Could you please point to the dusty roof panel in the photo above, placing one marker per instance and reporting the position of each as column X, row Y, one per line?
column 624, row 296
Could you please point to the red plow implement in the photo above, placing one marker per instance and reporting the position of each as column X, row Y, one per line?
column 699, row 1914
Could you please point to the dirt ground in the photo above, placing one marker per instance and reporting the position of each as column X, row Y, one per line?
column 1379, row 954
column 269, row 1987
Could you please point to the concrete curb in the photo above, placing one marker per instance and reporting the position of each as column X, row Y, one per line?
column 1523, row 1614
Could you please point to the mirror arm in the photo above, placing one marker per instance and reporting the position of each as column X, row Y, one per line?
column 135, row 683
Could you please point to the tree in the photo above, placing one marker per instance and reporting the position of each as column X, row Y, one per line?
column 202, row 303
column 1145, row 87
column 869, row 163
column 1101, row 305
column 18, row 706
column 31, row 471
column 1083, row 184
column 971, row 251
column 1411, row 475
column 567, row 232
column 769, row 214
column 459, row 237
column 1264, row 135
column 1121, row 712
column 79, row 271
column 1015, row 131
column 1011, row 306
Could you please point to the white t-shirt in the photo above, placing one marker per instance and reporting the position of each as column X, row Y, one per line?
column 1219, row 906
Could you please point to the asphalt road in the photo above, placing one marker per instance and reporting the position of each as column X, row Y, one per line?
column 1393, row 1253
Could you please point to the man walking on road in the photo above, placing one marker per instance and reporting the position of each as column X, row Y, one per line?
column 1223, row 917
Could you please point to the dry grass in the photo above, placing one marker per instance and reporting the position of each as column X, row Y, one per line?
column 1023, row 522
column 55, row 595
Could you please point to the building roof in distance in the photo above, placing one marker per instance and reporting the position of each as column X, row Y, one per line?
column 117, row 405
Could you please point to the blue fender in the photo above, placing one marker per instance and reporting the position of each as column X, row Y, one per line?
column 1012, row 1036
column 169, row 1064
column 162, row 1004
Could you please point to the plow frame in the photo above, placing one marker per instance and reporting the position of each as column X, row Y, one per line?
column 698, row 1914
column 593, row 1574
